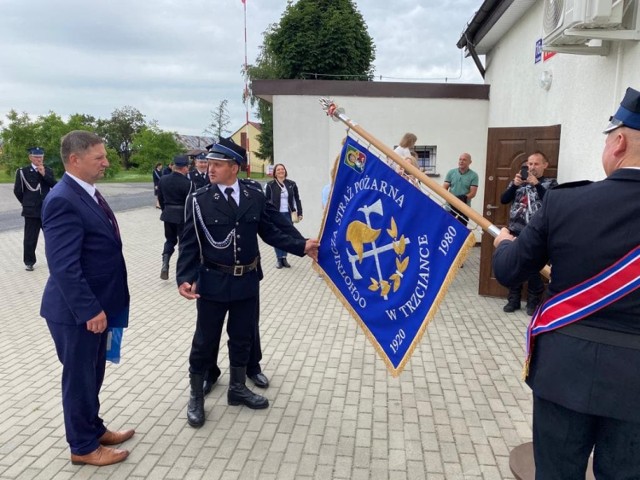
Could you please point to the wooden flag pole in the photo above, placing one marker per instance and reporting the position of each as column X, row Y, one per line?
column 338, row 114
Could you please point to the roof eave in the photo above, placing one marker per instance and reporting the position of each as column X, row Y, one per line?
column 490, row 23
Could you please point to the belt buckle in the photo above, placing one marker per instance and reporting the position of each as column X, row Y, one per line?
column 238, row 270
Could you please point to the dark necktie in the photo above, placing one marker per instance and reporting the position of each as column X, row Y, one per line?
column 230, row 199
column 108, row 212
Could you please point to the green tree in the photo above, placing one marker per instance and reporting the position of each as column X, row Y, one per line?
column 119, row 130
column 321, row 39
column 325, row 39
column 21, row 133
column 220, row 120
column 151, row 145
column 263, row 69
column 18, row 134
column 49, row 130
column 81, row 121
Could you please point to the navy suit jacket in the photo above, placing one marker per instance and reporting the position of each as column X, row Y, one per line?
column 87, row 272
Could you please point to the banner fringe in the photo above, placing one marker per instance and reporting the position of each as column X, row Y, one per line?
column 451, row 275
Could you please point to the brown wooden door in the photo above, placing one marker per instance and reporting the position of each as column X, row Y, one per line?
column 507, row 148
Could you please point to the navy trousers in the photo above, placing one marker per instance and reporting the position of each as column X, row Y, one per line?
column 241, row 328
column 172, row 232
column 255, row 356
column 83, row 357
column 32, row 226
column 563, row 440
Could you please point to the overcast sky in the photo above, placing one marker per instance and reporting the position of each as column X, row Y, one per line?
column 176, row 60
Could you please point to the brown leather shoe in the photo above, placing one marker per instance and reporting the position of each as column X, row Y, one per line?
column 115, row 438
column 100, row 457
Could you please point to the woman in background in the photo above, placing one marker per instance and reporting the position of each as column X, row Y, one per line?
column 283, row 193
column 404, row 149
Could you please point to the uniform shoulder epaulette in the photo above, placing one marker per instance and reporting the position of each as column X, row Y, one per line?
column 204, row 187
column 202, row 190
column 251, row 184
column 580, row 183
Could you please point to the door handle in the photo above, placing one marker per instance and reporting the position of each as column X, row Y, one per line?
column 492, row 207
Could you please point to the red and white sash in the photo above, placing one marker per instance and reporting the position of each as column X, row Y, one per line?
column 584, row 299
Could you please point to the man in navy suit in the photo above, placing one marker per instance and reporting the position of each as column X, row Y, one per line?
column 586, row 350
column 86, row 293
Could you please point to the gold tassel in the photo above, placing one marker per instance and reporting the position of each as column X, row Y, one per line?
column 525, row 368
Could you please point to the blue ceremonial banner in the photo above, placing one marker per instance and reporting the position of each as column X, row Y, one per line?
column 388, row 251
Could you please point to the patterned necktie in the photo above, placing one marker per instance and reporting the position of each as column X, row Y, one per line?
column 108, row 212
column 230, row 199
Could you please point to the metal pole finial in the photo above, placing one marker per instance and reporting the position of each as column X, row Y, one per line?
column 331, row 109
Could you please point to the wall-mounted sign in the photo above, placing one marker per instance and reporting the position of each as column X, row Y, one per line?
column 540, row 54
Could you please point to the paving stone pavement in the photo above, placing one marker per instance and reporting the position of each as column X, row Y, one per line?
column 335, row 413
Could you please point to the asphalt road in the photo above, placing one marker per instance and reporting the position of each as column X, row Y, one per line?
column 121, row 197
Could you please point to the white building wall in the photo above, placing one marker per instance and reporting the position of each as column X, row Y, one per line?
column 585, row 91
column 307, row 142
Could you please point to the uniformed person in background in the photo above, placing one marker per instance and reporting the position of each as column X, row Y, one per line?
column 173, row 191
column 168, row 170
column 32, row 184
column 198, row 174
column 218, row 266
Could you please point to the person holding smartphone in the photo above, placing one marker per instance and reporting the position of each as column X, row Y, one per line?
column 525, row 193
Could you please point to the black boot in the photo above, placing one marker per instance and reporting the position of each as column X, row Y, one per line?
column 259, row 380
column 239, row 393
column 513, row 302
column 195, row 410
column 533, row 300
column 164, row 271
column 210, row 380
column 279, row 263
column 285, row 264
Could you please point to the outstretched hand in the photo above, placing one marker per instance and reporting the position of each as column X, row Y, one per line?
column 311, row 248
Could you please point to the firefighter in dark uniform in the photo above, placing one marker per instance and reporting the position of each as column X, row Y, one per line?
column 584, row 366
column 254, row 369
column 218, row 266
column 199, row 175
column 32, row 185
column 173, row 190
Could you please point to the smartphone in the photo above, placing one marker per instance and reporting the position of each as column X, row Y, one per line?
column 524, row 173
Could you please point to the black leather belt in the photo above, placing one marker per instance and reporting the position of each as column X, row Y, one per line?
column 235, row 270
column 599, row 335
